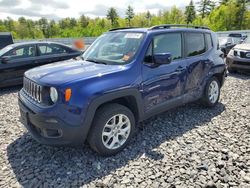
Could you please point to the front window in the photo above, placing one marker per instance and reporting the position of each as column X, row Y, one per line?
column 116, row 48
column 22, row 52
column 168, row 43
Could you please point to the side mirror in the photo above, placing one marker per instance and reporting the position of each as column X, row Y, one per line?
column 228, row 43
column 5, row 59
column 162, row 58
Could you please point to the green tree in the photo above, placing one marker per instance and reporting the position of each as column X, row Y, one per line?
column 176, row 16
column 205, row 7
column 72, row 22
column 44, row 26
column 129, row 15
column 9, row 24
column 190, row 12
column 241, row 13
column 223, row 17
column 148, row 17
column 223, row 2
column 84, row 21
column 112, row 15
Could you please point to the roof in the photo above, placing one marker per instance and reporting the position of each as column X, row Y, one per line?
column 146, row 30
column 166, row 27
column 36, row 42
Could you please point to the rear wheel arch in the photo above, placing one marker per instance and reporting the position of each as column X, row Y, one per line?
column 220, row 78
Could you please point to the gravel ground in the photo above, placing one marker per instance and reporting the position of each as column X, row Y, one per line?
column 186, row 147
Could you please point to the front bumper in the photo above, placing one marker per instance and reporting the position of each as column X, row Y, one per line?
column 50, row 130
column 238, row 63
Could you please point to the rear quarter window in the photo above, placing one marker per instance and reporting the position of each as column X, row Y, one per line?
column 209, row 42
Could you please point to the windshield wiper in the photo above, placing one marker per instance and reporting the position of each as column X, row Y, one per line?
column 96, row 61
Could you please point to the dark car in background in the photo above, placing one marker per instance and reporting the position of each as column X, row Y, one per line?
column 238, row 58
column 241, row 36
column 17, row 58
column 227, row 43
column 5, row 39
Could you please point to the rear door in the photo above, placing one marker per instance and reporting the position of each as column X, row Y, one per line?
column 20, row 59
column 199, row 61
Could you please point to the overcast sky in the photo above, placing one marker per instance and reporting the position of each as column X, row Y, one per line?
column 56, row 9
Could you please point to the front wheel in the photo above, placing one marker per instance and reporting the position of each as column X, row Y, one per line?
column 211, row 94
column 112, row 129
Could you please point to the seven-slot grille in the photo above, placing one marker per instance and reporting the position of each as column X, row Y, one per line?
column 33, row 90
column 244, row 54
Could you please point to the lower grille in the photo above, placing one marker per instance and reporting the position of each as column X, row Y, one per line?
column 245, row 54
column 32, row 89
column 242, row 63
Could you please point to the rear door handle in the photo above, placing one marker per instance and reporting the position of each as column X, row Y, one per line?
column 180, row 69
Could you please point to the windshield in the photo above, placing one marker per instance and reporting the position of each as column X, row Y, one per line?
column 238, row 35
column 115, row 48
column 237, row 40
column 223, row 40
column 4, row 50
column 247, row 40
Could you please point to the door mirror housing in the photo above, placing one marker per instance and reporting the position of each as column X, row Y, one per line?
column 5, row 59
column 162, row 58
column 228, row 43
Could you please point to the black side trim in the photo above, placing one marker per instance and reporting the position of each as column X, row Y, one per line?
column 109, row 97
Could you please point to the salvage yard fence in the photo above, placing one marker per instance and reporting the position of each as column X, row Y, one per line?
column 67, row 41
column 89, row 40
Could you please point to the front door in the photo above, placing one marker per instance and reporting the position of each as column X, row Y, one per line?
column 163, row 85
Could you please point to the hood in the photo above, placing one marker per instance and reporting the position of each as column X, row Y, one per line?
column 244, row 46
column 67, row 71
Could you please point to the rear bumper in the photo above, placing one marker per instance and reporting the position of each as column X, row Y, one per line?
column 238, row 63
column 50, row 130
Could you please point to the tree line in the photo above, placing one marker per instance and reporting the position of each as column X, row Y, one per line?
column 219, row 16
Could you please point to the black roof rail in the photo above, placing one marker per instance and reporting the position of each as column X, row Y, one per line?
column 122, row 28
column 168, row 26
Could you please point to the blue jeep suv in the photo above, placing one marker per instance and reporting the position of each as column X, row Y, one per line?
column 126, row 76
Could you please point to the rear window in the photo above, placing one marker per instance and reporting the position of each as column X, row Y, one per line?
column 194, row 44
column 50, row 49
column 235, row 35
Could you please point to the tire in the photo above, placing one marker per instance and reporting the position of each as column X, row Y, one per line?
column 231, row 70
column 207, row 99
column 110, row 123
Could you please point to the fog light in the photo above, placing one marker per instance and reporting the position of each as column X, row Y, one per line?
column 51, row 121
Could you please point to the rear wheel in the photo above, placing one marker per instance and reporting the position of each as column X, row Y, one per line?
column 211, row 94
column 112, row 129
column 230, row 70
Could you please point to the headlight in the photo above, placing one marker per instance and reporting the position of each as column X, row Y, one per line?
column 53, row 94
column 231, row 52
